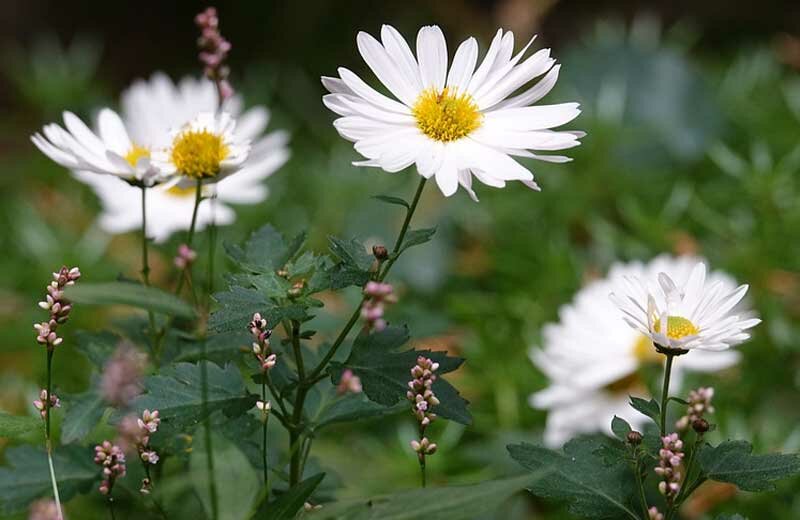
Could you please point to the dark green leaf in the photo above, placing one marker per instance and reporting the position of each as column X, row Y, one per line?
column 417, row 237
column 15, row 426
column 238, row 304
column 176, row 394
column 353, row 253
column 135, row 295
column 266, row 250
column 393, row 200
column 384, row 371
column 579, row 476
column 83, row 413
column 340, row 276
column 354, row 407
column 733, row 462
column 451, row 503
column 286, row 506
column 219, row 348
column 649, row 408
column 27, row 475
column 620, row 427
column 97, row 346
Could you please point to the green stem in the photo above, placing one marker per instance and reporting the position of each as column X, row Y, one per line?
column 665, row 393
column 198, row 197
column 212, row 485
column 683, row 494
column 111, row 506
column 640, row 485
column 212, row 246
column 298, row 354
column 297, row 408
column 146, row 270
column 422, row 470
column 316, row 374
column 48, row 441
column 264, row 459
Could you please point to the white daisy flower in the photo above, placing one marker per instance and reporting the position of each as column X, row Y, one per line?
column 111, row 151
column 205, row 148
column 453, row 124
column 694, row 313
column 594, row 360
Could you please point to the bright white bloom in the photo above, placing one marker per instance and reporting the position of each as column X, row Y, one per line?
column 693, row 313
column 594, row 360
column 110, row 151
column 453, row 124
column 204, row 148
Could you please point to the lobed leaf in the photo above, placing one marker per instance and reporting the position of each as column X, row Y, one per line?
column 265, row 251
column 649, row 408
column 733, row 462
column 16, row 426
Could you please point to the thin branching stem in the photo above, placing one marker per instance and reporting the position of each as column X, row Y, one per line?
column 146, row 271
column 264, row 460
column 48, row 441
column 665, row 393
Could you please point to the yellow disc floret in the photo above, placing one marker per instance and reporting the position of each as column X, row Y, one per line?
column 198, row 153
column 135, row 153
column 178, row 191
column 677, row 327
column 447, row 115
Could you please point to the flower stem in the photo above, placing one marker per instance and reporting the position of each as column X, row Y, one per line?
column 48, row 441
column 146, row 270
column 198, row 197
column 264, row 459
column 403, row 230
column 212, row 484
column 665, row 393
column 212, row 247
column 111, row 506
column 297, row 408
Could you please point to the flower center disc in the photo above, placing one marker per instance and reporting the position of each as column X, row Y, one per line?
column 677, row 327
column 198, row 154
column 135, row 153
column 446, row 116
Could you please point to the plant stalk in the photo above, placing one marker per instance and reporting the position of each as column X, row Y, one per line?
column 665, row 393
column 146, row 270
column 264, row 459
column 48, row 441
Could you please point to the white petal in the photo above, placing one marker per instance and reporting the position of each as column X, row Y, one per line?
column 112, row 132
column 463, row 65
column 432, row 56
column 535, row 93
column 539, row 117
column 385, row 68
column 366, row 92
column 398, row 49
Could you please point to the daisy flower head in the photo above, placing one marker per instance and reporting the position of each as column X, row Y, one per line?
column 594, row 361
column 453, row 123
column 205, row 148
column 109, row 151
column 692, row 313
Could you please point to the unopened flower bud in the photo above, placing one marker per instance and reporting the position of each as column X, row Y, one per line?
column 380, row 252
column 700, row 425
column 634, row 438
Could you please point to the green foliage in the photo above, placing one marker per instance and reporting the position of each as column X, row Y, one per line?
column 83, row 413
column 393, row 200
column 176, row 393
column 265, row 251
column 27, row 475
column 15, row 426
column 353, row 267
column 97, row 346
column 416, row 237
column 593, row 486
column 289, row 503
column 649, row 408
column 326, row 407
column 132, row 294
column 453, row 502
column 384, row 371
column 733, row 462
column 620, row 428
column 237, row 305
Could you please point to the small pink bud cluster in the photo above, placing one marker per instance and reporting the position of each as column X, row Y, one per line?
column 122, row 375
column 214, row 49
column 670, row 458
column 58, row 306
column 42, row 405
column 377, row 296
column 261, row 347
column 185, row 257
column 423, row 399
column 45, row 509
column 653, row 514
column 135, row 433
column 112, row 459
column 699, row 405
column 349, row 383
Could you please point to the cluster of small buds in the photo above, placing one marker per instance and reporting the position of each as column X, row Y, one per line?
column 377, row 296
column 349, row 383
column 699, row 405
column 214, row 49
column 185, row 257
column 41, row 403
column 122, row 375
column 423, row 399
column 297, row 288
column 45, row 509
column 134, row 433
column 57, row 305
column 261, row 347
column 653, row 514
column 670, row 458
column 112, row 459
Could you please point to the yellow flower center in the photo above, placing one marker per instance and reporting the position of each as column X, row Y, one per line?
column 198, row 154
column 626, row 385
column 177, row 191
column 447, row 115
column 135, row 153
column 677, row 327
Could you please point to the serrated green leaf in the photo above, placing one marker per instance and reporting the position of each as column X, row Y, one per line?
column 620, row 428
column 649, row 408
column 340, row 276
column 417, row 237
column 392, row 200
column 132, row 294
column 286, row 506
column 733, row 462
column 97, row 346
column 238, row 304
column 451, row 503
column 27, row 475
column 176, row 393
column 592, row 488
column 266, row 250
column 237, row 482
column 16, row 426
column 83, row 413
column 353, row 253
column 269, row 284
column 384, row 371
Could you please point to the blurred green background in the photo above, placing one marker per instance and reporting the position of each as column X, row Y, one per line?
column 693, row 117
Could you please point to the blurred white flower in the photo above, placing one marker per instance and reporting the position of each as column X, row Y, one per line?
column 110, row 151
column 593, row 358
column 452, row 124
column 693, row 313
